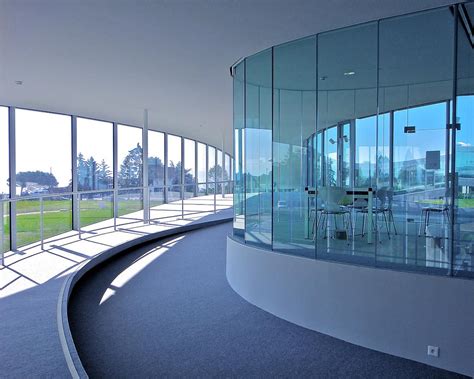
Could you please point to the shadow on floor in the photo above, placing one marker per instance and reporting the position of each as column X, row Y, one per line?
column 166, row 309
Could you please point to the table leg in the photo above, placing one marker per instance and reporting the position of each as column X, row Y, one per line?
column 369, row 217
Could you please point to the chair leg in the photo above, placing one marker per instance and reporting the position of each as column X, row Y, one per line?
column 422, row 221
column 386, row 223
column 393, row 221
column 363, row 225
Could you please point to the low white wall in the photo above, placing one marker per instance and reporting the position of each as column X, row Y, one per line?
column 395, row 312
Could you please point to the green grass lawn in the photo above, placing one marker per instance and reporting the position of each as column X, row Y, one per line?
column 461, row 203
column 57, row 217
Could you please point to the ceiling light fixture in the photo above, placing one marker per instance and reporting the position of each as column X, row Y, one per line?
column 18, row 82
column 349, row 73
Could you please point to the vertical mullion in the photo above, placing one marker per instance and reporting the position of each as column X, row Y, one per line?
column 391, row 149
column 115, row 171
column 12, row 159
column 146, row 192
column 453, row 175
column 182, row 177
column 196, row 168
column 165, row 175
column 75, row 199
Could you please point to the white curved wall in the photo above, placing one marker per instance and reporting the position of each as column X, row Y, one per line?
column 398, row 313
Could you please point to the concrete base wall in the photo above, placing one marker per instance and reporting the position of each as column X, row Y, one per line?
column 395, row 312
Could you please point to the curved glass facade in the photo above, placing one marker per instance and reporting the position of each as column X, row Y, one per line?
column 63, row 172
column 357, row 144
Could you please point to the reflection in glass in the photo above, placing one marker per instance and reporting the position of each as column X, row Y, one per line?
column 463, row 244
column 130, row 156
column 415, row 83
column 294, row 114
column 239, row 152
column 94, row 161
column 258, row 146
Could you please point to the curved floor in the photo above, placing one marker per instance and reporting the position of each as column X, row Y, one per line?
column 167, row 309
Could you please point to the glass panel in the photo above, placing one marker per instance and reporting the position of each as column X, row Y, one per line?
column 415, row 83
column 202, row 159
column 130, row 202
column 57, row 217
column 43, row 152
column 227, row 170
column 95, row 207
column 331, row 156
column 156, row 197
column 4, row 151
column 174, row 206
column 5, row 226
column 189, row 162
column 294, row 114
column 258, row 148
column 239, row 154
column 342, row 221
column 174, row 159
column 345, row 141
column 365, row 151
column 27, row 222
column 219, row 171
column 464, row 162
column 94, row 161
column 156, row 158
column 211, row 164
column 129, row 156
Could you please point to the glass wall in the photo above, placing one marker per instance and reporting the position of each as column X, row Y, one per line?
column 202, row 168
column 258, row 147
column 211, row 167
column 156, row 167
column 94, row 162
column 4, row 181
column 102, row 185
column 47, row 138
column 43, row 166
column 463, row 190
column 239, row 149
column 130, row 170
column 189, row 168
column 416, row 92
column 4, row 153
column 371, row 157
column 294, row 115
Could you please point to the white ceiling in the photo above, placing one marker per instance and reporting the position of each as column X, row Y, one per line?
column 111, row 59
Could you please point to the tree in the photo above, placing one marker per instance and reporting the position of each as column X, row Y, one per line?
column 215, row 173
column 40, row 178
column 131, row 169
column 155, row 171
column 104, row 175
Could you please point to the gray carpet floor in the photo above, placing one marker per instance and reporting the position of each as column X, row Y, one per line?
column 178, row 317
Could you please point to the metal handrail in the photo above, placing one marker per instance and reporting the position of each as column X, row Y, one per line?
column 115, row 200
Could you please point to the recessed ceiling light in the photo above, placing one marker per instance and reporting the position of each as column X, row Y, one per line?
column 323, row 78
column 18, row 82
column 349, row 73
